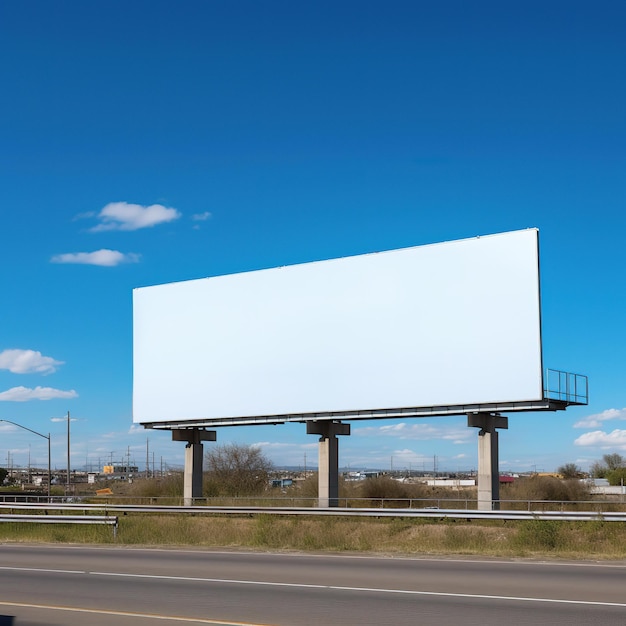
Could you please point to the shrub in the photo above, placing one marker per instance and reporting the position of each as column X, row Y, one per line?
column 617, row 476
column 238, row 470
column 307, row 488
column 545, row 488
column 539, row 534
column 167, row 487
column 383, row 487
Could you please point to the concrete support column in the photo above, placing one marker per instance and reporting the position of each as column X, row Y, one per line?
column 328, row 459
column 488, row 459
column 192, row 483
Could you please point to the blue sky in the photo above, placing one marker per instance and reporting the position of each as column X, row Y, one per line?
column 148, row 142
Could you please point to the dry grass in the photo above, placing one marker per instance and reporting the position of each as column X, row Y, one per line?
column 533, row 538
column 530, row 538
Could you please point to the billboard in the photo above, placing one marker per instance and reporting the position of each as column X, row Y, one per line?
column 449, row 324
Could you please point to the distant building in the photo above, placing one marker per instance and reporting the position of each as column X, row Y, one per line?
column 282, row 482
column 120, row 471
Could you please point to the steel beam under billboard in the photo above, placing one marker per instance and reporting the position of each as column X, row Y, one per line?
column 454, row 324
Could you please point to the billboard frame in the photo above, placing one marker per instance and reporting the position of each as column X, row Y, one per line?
column 546, row 404
column 490, row 391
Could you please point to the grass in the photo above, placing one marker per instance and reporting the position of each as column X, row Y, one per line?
column 530, row 538
column 408, row 536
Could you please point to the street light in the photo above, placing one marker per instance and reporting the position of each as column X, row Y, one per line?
column 55, row 419
column 30, row 430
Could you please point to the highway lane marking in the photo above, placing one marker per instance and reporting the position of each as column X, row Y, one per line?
column 192, row 620
column 444, row 594
column 39, row 569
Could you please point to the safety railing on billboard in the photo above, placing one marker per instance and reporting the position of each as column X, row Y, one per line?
column 566, row 387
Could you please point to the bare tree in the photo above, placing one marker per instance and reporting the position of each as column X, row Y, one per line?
column 613, row 461
column 610, row 463
column 569, row 471
column 237, row 470
column 598, row 469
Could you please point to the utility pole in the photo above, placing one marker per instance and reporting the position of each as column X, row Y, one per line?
column 68, row 487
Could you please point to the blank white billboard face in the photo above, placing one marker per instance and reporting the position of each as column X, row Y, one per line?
column 449, row 324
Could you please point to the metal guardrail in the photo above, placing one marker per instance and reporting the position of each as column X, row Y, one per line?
column 432, row 513
column 618, row 502
column 107, row 520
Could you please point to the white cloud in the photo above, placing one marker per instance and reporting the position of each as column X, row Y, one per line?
column 401, row 458
column 104, row 258
column 595, row 421
column 418, row 432
column 126, row 216
column 23, row 394
column 83, row 216
column 407, row 456
column 201, row 217
column 277, row 445
column 599, row 438
column 108, row 436
column 27, row 362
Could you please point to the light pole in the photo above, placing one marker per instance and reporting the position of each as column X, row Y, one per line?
column 30, row 430
column 68, row 452
column 59, row 419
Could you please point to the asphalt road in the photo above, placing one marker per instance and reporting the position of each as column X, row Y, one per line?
column 61, row 585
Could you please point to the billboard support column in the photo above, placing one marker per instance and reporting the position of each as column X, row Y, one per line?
column 328, row 463
column 192, row 483
column 488, row 470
